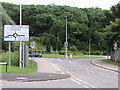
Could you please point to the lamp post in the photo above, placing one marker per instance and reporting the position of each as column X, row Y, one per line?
column 21, row 43
column 89, row 45
column 66, row 42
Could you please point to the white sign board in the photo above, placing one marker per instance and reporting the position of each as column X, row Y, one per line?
column 16, row 33
column 33, row 45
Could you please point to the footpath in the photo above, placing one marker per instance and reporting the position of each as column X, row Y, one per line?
column 105, row 65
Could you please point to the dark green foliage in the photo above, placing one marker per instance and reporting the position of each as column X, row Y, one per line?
column 113, row 33
column 116, row 11
column 14, row 58
column 47, row 25
column 48, row 48
column 73, row 48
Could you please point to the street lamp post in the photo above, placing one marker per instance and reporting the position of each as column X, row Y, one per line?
column 89, row 45
column 66, row 42
column 21, row 62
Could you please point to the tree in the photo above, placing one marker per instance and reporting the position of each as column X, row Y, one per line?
column 116, row 11
column 113, row 33
column 47, row 22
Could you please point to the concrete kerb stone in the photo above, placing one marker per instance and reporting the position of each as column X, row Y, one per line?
column 98, row 65
column 32, row 79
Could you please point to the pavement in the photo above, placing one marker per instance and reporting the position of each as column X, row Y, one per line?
column 105, row 65
column 49, row 71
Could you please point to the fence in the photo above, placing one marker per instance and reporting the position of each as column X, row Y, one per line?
column 116, row 55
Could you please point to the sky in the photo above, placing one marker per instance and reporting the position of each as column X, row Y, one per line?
column 104, row 4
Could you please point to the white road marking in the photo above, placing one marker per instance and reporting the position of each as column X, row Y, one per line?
column 70, row 61
column 60, row 60
column 76, row 81
column 58, row 69
column 21, row 78
column 91, row 86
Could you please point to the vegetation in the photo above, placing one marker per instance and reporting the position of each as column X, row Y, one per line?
column 14, row 58
column 94, row 26
column 32, row 67
column 112, row 62
column 73, row 56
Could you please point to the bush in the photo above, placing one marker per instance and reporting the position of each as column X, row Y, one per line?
column 95, row 52
column 73, row 48
column 85, row 52
column 63, row 52
column 14, row 58
column 79, row 53
column 48, row 48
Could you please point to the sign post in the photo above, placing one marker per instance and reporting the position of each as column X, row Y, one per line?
column 9, row 56
column 115, row 48
column 33, row 47
column 66, row 46
column 17, row 33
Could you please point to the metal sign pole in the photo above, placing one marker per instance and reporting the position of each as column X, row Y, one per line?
column 23, row 57
column 66, row 48
column 20, row 55
column 9, row 56
column 115, row 48
column 89, row 45
column 20, row 41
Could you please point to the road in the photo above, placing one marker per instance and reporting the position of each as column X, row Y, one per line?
column 83, row 75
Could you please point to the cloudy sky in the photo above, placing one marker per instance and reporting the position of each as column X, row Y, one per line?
column 104, row 4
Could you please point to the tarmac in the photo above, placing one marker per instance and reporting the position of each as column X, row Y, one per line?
column 49, row 71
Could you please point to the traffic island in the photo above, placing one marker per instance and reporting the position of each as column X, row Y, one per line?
column 34, row 77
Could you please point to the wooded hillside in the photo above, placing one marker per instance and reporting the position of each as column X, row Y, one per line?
column 94, row 26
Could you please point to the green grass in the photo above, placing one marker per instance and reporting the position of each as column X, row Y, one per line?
column 74, row 56
column 15, row 69
column 52, row 56
column 111, row 62
column 88, row 56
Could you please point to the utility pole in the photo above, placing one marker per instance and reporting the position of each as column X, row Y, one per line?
column 66, row 42
column 21, row 43
column 89, row 45
column 9, row 55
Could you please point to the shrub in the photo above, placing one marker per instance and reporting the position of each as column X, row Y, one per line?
column 73, row 48
column 48, row 48
column 14, row 58
column 63, row 52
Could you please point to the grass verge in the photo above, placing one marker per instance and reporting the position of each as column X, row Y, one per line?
column 112, row 62
column 74, row 56
column 32, row 67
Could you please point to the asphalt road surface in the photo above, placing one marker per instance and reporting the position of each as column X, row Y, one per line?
column 83, row 75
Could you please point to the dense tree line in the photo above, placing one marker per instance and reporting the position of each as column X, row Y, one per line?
column 4, row 19
column 85, row 25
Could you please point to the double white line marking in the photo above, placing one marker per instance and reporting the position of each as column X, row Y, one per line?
column 80, row 82
column 61, row 72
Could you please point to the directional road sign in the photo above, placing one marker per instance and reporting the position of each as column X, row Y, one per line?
column 16, row 33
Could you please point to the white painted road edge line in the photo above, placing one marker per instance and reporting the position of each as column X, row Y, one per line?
column 91, row 86
column 58, row 68
column 70, row 61
column 76, row 81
